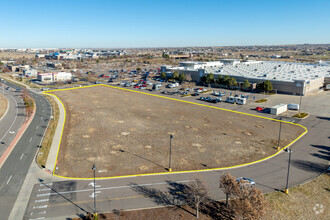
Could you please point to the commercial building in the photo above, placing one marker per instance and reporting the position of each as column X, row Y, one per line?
column 30, row 72
column 54, row 77
column 291, row 78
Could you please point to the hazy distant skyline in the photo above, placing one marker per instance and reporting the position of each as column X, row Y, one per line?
column 181, row 23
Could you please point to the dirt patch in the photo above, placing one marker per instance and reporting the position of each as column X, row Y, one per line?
column 3, row 105
column 130, row 134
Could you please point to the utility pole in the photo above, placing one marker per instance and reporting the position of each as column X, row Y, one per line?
column 95, row 214
column 170, row 168
column 279, row 135
column 286, row 191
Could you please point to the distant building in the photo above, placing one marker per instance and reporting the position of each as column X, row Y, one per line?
column 18, row 68
column 292, row 78
column 30, row 73
column 54, row 65
column 54, row 77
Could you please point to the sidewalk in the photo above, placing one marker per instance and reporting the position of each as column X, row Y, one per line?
column 52, row 155
column 33, row 176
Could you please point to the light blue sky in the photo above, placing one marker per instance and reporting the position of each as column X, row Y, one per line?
column 162, row 23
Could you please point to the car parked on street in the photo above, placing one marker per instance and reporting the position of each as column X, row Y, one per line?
column 244, row 181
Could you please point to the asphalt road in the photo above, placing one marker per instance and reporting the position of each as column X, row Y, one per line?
column 15, row 168
column 13, row 120
column 310, row 157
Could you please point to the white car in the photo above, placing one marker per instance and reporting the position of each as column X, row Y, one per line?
column 245, row 181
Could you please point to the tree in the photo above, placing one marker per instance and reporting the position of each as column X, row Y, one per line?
column 228, row 185
column 175, row 75
column 97, row 60
column 220, row 80
column 265, row 86
column 203, row 79
column 188, row 78
column 268, row 86
column 163, row 75
column 196, row 194
column 226, row 80
column 138, row 69
column 232, row 82
column 247, row 201
column 246, row 84
column 182, row 77
column 209, row 78
column 166, row 56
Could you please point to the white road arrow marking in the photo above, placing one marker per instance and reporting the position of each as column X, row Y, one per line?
column 92, row 184
column 94, row 195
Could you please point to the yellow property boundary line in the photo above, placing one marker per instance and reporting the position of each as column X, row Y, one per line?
column 173, row 172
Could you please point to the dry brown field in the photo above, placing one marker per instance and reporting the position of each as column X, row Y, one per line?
column 125, row 133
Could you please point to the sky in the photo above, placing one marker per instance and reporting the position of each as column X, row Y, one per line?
column 162, row 23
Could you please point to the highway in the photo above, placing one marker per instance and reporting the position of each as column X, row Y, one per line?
column 13, row 120
column 73, row 198
column 15, row 168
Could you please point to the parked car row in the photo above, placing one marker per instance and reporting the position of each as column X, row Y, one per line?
column 209, row 99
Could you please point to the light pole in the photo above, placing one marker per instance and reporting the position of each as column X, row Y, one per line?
column 279, row 135
column 286, row 191
column 95, row 214
column 170, row 168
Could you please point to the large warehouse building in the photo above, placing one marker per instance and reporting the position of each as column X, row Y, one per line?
column 292, row 78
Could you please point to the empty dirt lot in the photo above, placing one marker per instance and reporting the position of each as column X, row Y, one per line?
column 124, row 133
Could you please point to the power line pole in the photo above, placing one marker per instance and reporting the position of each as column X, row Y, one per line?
column 279, row 135
column 170, row 168
column 286, row 191
column 95, row 214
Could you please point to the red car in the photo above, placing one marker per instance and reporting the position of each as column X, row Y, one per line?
column 137, row 87
column 259, row 109
column 144, row 85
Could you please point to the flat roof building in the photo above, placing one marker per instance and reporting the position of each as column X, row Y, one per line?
column 293, row 78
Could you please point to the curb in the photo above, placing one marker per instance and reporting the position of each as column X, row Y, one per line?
column 17, row 137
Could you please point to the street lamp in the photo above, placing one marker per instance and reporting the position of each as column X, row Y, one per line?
column 95, row 214
column 170, row 168
column 279, row 135
column 286, row 191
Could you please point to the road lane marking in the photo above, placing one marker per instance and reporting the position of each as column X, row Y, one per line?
column 40, row 207
column 46, row 189
column 37, row 127
column 30, row 139
column 112, row 187
column 21, row 157
column 37, row 218
column 42, row 213
column 46, row 184
column 9, row 179
column 41, row 200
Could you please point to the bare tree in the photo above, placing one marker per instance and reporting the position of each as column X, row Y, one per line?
column 188, row 78
column 228, row 185
column 248, row 202
column 196, row 194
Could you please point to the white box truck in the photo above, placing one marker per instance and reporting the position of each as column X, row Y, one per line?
column 237, row 100
column 278, row 109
